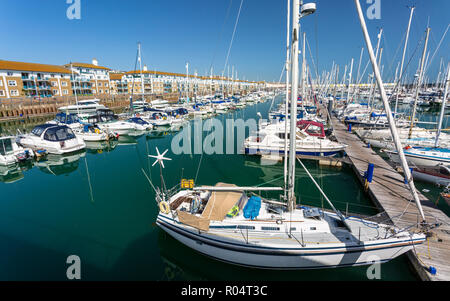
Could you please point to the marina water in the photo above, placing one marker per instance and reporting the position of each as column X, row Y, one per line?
column 99, row 206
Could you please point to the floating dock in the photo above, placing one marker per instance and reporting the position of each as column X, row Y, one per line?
column 390, row 194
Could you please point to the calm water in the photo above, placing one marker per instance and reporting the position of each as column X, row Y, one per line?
column 99, row 205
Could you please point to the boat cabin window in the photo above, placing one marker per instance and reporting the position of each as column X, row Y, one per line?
column 314, row 129
column 270, row 228
column 138, row 121
column 87, row 103
column 59, row 134
column 5, row 146
column 37, row 131
column 246, row 227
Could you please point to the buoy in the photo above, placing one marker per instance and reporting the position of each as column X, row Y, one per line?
column 164, row 207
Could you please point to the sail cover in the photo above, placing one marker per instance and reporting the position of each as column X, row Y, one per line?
column 193, row 221
column 221, row 202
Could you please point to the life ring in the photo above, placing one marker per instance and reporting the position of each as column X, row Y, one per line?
column 164, row 207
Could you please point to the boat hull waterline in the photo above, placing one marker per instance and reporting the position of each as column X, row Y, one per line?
column 257, row 256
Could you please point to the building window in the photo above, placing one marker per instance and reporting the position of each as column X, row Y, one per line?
column 14, row 93
column 55, row 92
column 9, row 73
column 106, row 84
column 101, row 91
column 1, row 82
column 12, row 83
column 64, row 84
column 106, row 91
column 54, row 84
column 2, row 93
column 65, row 92
column 99, row 84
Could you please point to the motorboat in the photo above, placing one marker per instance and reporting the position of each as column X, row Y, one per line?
column 69, row 119
column 55, row 139
column 93, row 133
column 140, row 124
column 107, row 121
column 157, row 118
column 11, row 152
column 83, row 107
column 311, row 140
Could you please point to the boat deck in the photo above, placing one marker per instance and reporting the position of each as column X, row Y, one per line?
column 392, row 196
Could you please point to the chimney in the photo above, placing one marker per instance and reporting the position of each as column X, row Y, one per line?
column 95, row 62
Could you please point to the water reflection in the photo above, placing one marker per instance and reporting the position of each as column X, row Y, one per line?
column 60, row 165
column 98, row 147
column 13, row 173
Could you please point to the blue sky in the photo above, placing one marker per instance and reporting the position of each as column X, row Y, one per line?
column 199, row 31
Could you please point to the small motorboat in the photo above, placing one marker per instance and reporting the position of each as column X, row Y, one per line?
column 11, row 152
column 56, row 139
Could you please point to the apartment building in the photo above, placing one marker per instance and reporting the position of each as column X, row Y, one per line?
column 90, row 79
column 20, row 79
column 119, row 85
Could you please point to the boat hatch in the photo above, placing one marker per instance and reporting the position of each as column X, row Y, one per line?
column 311, row 213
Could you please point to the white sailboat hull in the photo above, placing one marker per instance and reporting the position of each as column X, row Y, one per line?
column 309, row 257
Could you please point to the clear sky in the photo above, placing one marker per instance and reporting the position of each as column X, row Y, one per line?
column 199, row 31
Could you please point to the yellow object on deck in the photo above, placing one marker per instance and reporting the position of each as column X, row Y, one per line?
column 186, row 184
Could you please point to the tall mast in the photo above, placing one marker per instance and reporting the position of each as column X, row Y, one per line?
column 343, row 82
column 444, row 101
column 140, row 68
column 403, row 57
column 294, row 95
column 376, row 57
column 387, row 108
column 287, row 98
column 75, row 90
column 187, row 82
column 419, row 82
column 303, row 70
column 357, row 74
column 350, row 80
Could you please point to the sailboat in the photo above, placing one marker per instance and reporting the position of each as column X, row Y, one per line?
column 427, row 156
column 235, row 225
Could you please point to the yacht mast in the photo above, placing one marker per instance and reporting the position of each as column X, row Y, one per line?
column 303, row 72
column 444, row 101
column 372, row 90
column 286, row 105
column 419, row 83
column 350, row 80
column 403, row 58
column 387, row 108
column 294, row 95
column 140, row 68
